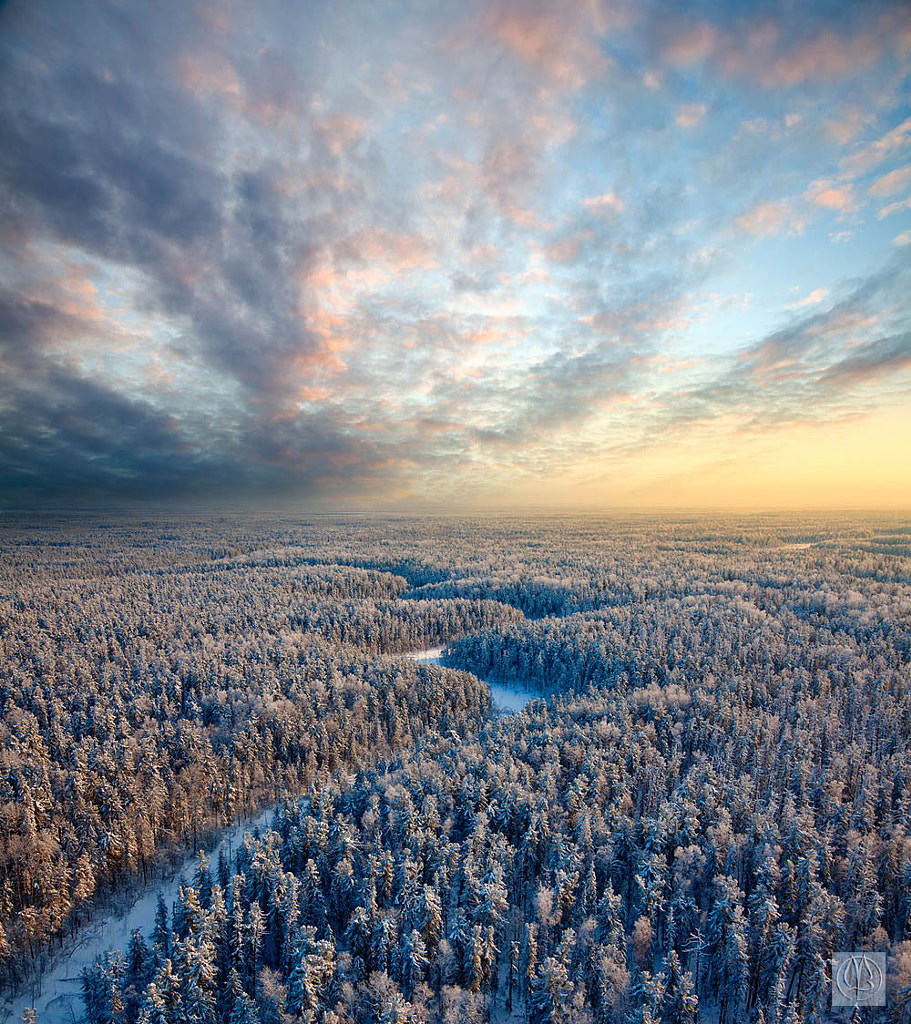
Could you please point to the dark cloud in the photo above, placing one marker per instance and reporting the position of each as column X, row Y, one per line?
column 872, row 361
column 808, row 371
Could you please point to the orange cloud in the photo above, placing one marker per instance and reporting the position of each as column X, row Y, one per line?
column 817, row 295
column 663, row 364
column 314, row 394
column 397, row 253
column 322, row 358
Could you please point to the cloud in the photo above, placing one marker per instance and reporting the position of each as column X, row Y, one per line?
column 690, row 114
column 692, row 44
column 811, row 368
column 763, row 50
column 832, row 197
column 849, row 125
column 770, row 218
column 894, row 181
column 825, row 57
column 896, row 207
column 815, row 296
column 556, row 40
column 868, row 155
column 903, row 239
column 871, row 361
column 280, row 248
column 607, row 202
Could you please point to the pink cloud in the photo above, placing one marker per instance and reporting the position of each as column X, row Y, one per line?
column 339, row 132
column 848, row 126
column 823, row 59
column 558, row 41
column 868, row 156
column 690, row 114
column 506, row 175
column 832, row 197
column 892, row 182
column 206, row 73
column 398, row 252
column 761, row 52
column 215, row 16
column 769, row 218
column 608, row 202
column 563, row 251
column 693, row 45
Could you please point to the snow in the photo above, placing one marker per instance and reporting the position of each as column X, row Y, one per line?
column 505, row 699
column 509, row 699
column 56, row 994
column 433, row 654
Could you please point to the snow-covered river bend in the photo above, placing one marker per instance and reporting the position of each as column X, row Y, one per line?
column 57, row 995
column 505, row 699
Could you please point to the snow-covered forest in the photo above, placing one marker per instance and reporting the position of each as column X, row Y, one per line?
column 710, row 798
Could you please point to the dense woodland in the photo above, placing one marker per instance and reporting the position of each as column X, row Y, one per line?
column 710, row 798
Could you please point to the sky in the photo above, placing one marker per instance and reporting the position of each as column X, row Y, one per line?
column 487, row 254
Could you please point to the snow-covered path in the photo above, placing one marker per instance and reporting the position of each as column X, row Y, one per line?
column 56, row 995
column 506, row 699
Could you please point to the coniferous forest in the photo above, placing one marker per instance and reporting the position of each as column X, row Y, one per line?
column 707, row 794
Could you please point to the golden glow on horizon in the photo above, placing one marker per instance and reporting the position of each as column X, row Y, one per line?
column 863, row 463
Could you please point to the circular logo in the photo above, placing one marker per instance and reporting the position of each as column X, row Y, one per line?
column 858, row 978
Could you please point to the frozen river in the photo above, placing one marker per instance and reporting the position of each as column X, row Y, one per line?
column 506, row 699
column 57, row 994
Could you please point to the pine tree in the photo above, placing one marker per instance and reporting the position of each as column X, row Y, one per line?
column 414, row 962
column 549, row 992
column 161, row 934
column 681, row 1005
column 137, row 974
